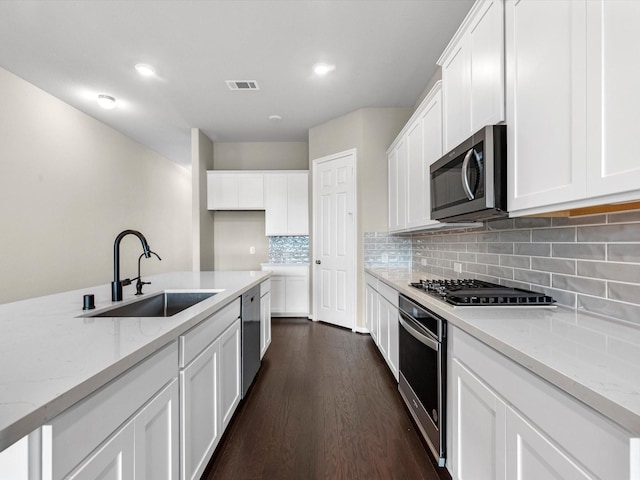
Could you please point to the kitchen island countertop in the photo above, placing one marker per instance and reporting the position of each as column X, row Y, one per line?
column 592, row 358
column 52, row 356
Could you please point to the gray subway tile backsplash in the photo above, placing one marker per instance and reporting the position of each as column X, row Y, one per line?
column 590, row 262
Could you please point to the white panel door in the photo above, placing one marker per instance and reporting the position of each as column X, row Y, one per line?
column 334, row 244
column 546, row 89
column 613, row 164
column 530, row 456
column 157, row 436
column 478, row 423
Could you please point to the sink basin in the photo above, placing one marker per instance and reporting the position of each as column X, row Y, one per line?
column 163, row 304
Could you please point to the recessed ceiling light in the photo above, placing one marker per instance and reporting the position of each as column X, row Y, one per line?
column 107, row 102
column 145, row 70
column 323, row 68
column 275, row 118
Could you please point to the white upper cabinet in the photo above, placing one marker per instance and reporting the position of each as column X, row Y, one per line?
column 473, row 73
column 613, row 102
column 287, row 203
column 571, row 104
column 410, row 157
column 545, row 111
column 398, row 186
column 235, row 190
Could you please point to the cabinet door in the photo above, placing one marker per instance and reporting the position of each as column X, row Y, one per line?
column 394, row 341
column 230, row 386
column 456, row 95
column 114, row 460
column 222, row 191
column 531, row 456
column 265, row 323
column 297, row 295
column 251, row 191
column 277, row 294
column 612, row 96
column 478, row 424
column 157, row 436
column 372, row 312
column 384, row 308
column 199, row 411
column 276, row 199
column 398, row 187
column 298, row 204
column 416, row 175
column 546, row 90
column 486, row 57
column 431, row 123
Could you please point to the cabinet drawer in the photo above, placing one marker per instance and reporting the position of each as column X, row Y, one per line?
column 76, row 432
column 196, row 340
column 389, row 293
column 592, row 440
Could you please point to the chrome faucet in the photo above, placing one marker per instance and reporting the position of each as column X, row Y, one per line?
column 139, row 282
column 116, row 285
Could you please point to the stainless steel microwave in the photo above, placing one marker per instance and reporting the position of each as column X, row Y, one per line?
column 469, row 183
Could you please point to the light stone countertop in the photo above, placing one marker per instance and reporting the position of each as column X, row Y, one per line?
column 592, row 358
column 52, row 357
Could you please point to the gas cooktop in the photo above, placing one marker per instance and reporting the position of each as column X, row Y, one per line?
column 478, row 293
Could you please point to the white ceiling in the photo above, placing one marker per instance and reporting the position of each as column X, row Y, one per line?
column 384, row 51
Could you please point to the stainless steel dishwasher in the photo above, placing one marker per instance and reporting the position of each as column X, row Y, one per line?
column 250, row 337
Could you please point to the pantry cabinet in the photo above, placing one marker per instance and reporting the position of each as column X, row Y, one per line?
column 235, row 190
column 473, row 73
column 508, row 423
column 287, row 203
column 571, row 104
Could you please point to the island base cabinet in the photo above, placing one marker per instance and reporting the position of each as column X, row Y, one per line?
column 508, row 423
column 90, row 436
column 265, row 317
column 210, row 390
column 143, row 448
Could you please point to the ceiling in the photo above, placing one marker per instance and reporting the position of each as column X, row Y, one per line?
column 384, row 52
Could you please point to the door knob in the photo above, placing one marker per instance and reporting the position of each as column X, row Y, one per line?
column 318, row 262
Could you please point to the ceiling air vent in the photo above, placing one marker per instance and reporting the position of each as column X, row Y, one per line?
column 242, row 85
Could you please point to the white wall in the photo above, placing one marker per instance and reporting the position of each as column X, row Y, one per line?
column 68, row 185
column 203, row 228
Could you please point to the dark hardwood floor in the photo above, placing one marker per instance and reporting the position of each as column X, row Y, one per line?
column 324, row 406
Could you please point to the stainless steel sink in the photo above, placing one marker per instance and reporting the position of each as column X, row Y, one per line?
column 164, row 304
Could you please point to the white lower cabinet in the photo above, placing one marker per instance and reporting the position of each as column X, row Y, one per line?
column 381, row 313
column 509, row 424
column 126, row 430
column 265, row 316
column 210, row 386
column 289, row 290
column 478, row 425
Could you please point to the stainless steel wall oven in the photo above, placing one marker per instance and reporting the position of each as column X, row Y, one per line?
column 422, row 381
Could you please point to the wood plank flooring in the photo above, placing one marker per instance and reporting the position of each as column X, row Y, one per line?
column 324, row 406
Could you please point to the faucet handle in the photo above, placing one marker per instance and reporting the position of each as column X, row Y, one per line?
column 126, row 281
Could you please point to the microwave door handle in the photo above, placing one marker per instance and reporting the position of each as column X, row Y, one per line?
column 464, row 173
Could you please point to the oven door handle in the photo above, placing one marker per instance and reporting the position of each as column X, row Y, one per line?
column 421, row 337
